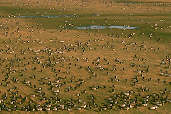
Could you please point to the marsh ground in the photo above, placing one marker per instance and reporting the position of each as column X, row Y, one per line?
column 46, row 64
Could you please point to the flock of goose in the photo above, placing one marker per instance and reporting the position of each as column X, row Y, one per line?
column 90, row 72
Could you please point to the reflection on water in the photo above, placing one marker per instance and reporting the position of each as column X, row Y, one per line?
column 104, row 27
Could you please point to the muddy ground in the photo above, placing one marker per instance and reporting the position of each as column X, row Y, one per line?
column 49, row 66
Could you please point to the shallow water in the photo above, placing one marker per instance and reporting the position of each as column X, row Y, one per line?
column 80, row 27
column 104, row 27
